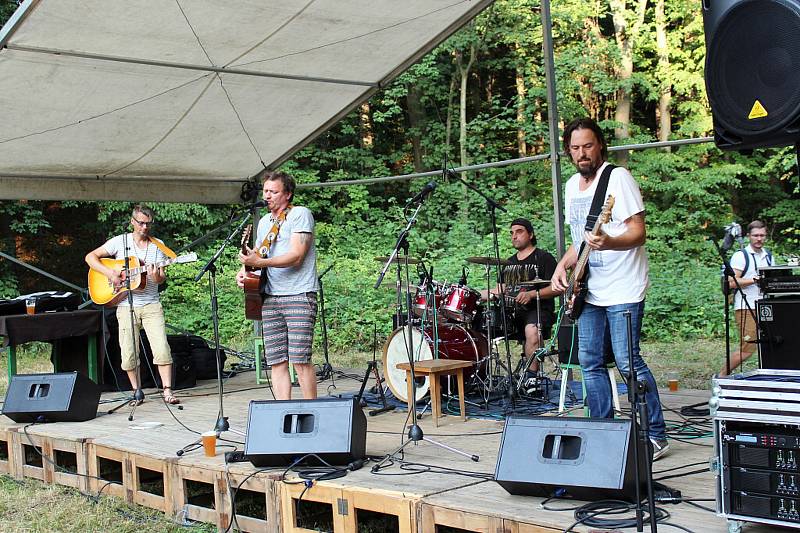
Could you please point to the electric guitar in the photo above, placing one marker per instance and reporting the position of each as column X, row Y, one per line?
column 103, row 292
column 577, row 288
column 253, row 299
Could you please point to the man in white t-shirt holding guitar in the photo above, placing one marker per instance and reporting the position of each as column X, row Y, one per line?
column 617, row 272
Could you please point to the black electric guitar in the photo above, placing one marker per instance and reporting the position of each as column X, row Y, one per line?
column 577, row 288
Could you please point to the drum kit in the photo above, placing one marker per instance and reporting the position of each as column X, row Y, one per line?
column 454, row 317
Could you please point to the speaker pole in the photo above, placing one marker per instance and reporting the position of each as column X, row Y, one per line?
column 636, row 396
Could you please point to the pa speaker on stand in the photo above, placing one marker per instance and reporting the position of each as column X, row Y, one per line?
column 753, row 71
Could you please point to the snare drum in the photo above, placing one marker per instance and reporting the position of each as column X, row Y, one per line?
column 461, row 303
column 455, row 342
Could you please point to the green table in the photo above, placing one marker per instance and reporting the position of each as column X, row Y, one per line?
column 19, row 329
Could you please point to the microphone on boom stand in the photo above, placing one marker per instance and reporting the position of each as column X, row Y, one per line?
column 426, row 190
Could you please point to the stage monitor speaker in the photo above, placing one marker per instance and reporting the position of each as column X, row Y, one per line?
column 281, row 432
column 753, row 71
column 587, row 458
column 568, row 342
column 64, row 397
column 778, row 334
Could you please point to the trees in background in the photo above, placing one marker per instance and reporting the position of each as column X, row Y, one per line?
column 635, row 66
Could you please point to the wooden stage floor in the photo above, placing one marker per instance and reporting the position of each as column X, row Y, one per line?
column 420, row 501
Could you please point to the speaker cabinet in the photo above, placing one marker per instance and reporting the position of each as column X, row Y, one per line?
column 778, row 335
column 753, row 71
column 281, row 432
column 587, row 458
column 64, row 397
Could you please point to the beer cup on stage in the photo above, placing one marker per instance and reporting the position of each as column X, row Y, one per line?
column 209, row 439
column 30, row 305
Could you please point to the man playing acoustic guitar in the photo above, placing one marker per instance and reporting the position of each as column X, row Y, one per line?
column 286, row 255
column 147, row 310
column 618, row 276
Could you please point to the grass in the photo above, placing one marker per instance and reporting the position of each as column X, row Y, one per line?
column 31, row 506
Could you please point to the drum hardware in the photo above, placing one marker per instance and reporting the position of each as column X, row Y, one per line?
column 372, row 368
column 415, row 433
column 534, row 284
column 488, row 261
column 398, row 259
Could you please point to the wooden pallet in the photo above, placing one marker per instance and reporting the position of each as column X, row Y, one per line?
column 345, row 503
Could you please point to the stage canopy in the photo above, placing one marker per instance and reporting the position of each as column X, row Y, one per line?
column 185, row 100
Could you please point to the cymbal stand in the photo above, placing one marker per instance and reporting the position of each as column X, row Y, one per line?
column 492, row 206
column 415, row 433
column 372, row 368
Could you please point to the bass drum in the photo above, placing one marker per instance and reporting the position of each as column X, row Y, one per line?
column 455, row 342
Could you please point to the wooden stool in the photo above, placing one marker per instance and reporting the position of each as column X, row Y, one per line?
column 435, row 369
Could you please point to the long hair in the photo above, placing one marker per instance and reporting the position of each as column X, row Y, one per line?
column 588, row 124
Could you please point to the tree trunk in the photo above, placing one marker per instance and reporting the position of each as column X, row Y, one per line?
column 365, row 121
column 663, row 114
column 626, row 36
column 522, row 145
column 416, row 122
column 448, row 130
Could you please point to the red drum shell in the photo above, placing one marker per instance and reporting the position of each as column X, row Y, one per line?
column 455, row 342
column 461, row 303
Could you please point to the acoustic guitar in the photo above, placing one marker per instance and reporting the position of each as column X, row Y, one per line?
column 103, row 292
column 253, row 299
column 577, row 288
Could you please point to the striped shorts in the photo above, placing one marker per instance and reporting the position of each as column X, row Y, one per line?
column 288, row 327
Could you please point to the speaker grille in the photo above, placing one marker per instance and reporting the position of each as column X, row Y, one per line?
column 754, row 55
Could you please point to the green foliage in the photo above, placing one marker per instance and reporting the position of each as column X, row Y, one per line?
column 412, row 125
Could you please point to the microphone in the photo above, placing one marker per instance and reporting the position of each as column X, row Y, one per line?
column 732, row 231
column 426, row 190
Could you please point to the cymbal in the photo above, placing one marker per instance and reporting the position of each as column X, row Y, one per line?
column 399, row 259
column 535, row 283
column 482, row 260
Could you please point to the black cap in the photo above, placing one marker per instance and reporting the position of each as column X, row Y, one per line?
column 524, row 222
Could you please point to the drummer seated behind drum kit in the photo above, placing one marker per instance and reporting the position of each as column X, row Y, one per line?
column 465, row 321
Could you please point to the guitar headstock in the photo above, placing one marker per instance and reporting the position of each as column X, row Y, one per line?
column 246, row 238
column 605, row 211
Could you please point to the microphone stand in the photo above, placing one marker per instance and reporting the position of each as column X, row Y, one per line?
column 492, row 206
column 415, row 433
column 210, row 267
column 138, row 394
column 729, row 274
column 636, row 396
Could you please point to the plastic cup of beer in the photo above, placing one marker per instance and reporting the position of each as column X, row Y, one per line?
column 30, row 306
column 209, row 439
column 672, row 381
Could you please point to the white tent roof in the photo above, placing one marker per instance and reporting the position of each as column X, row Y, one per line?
column 184, row 100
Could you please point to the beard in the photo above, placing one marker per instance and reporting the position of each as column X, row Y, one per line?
column 587, row 170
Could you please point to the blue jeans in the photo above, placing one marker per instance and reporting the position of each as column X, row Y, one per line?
column 600, row 328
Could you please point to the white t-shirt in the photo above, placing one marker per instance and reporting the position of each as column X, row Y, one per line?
column 757, row 260
column 615, row 276
column 147, row 256
column 291, row 280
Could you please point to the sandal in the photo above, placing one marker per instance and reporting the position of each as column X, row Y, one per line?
column 169, row 397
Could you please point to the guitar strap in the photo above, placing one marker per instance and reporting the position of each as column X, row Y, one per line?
column 599, row 197
column 272, row 234
column 164, row 248
column 267, row 243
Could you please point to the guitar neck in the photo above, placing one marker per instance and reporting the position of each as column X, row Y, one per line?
column 142, row 269
column 583, row 259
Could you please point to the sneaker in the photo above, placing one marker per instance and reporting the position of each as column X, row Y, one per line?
column 532, row 384
column 660, row 448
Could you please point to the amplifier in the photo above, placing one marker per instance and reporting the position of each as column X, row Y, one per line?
column 778, row 334
column 759, row 471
